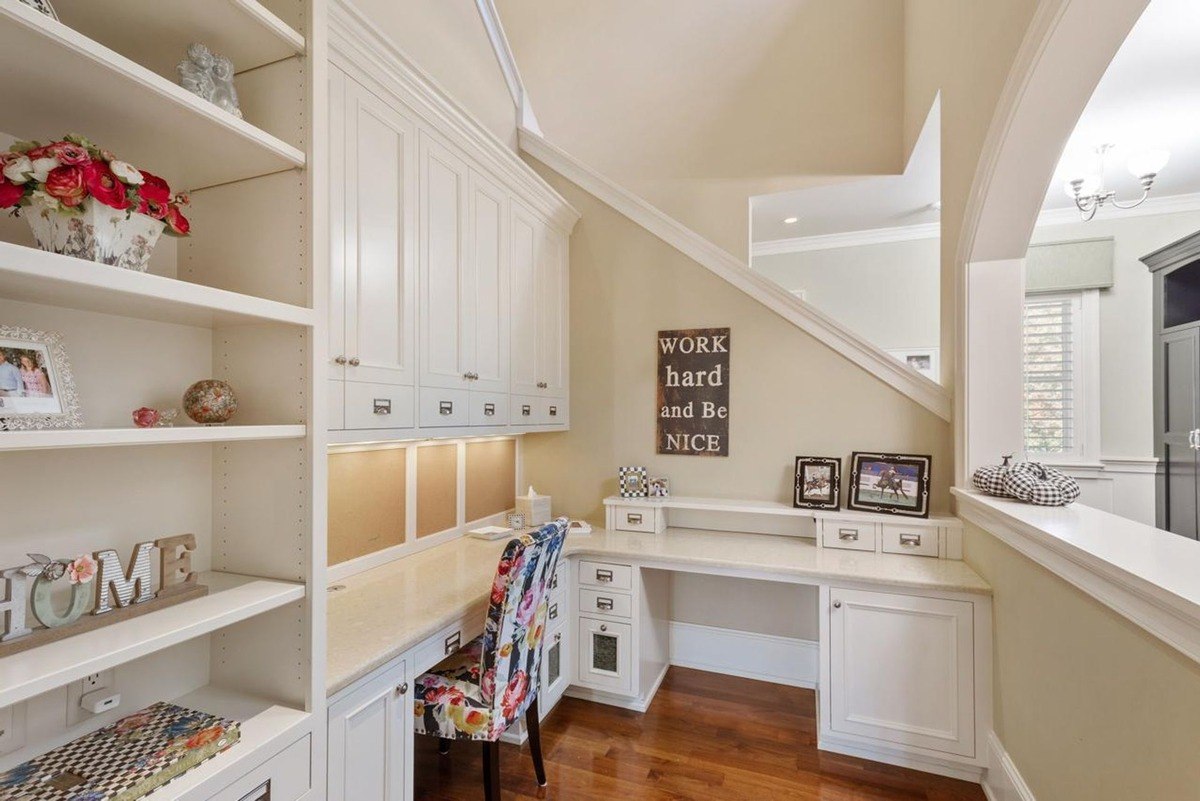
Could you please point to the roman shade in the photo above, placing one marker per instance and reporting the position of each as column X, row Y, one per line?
column 1064, row 266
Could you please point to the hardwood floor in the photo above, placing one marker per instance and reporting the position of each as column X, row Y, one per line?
column 705, row 737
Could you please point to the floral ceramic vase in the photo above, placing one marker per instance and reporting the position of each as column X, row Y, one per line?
column 97, row 233
column 210, row 402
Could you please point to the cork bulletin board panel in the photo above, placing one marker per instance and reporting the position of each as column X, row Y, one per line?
column 437, row 489
column 491, row 478
column 366, row 502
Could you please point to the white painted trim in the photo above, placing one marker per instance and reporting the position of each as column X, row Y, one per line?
column 1154, row 206
column 721, row 263
column 848, row 239
column 779, row 660
column 1139, row 572
column 508, row 64
column 888, row 756
column 356, row 43
column 1002, row 781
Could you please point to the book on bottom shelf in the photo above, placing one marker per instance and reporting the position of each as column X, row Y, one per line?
column 123, row 761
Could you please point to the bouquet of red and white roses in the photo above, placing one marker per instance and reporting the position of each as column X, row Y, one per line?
column 63, row 174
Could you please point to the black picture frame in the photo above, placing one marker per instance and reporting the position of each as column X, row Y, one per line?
column 867, row 469
column 808, row 497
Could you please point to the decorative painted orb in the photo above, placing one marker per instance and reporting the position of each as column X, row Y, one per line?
column 210, row 402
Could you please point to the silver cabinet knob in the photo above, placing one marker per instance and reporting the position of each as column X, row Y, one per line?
column 339, row 359
column 837, row 604
column 402, row 688
column 354, row 362
column 604, row 628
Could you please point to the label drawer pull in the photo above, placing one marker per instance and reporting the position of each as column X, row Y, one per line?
column 910, row 540
column 383, row 406
column 445, row 407
column 848, row 534
column 604, row 604
column 604, row 576
column 453, row 642
column 633, row 519
column 489, row 410
column 260, row 793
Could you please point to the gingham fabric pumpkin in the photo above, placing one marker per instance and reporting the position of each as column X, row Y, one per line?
column 1040, row 485
column 990, row 479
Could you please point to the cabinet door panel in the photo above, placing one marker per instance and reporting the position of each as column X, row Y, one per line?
column 1181, row 395
column 524, row 316
column 902, row 669
column 370, row 741
column 338, row 244
column 552, row 313
column 380, row 236
column 605, row 655
column 488, row 290
column 445, row 351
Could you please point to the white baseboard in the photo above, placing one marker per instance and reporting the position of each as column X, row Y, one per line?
column 1002, row 781
column 893, row 756
column 780, row 660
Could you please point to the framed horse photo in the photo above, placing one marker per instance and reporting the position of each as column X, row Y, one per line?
column 891, row 483
column 818, row 483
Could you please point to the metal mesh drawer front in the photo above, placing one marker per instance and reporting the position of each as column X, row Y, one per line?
column 604, row 653
column 554, row 663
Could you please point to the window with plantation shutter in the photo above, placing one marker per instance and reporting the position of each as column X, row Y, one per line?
column 1055, row 380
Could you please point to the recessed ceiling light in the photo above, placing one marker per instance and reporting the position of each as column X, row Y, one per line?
column 790, row 220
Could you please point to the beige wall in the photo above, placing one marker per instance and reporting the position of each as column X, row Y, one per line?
column 887, row 293
column 698, row 106
column 789, row 394
column 1089, row 706
column 446, row 39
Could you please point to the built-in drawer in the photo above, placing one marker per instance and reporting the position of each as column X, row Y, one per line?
column 526, row 410
column 553, row 412
column 445, row 408
column 918, row 540
column 850, row 535
column 602, row 574
column 378, row 406
column 635, row 518
column 287, row 776
column 489, row 409
column 438, row 646
column 610, row 604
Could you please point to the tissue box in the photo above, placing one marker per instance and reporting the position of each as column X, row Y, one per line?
column 536, row 509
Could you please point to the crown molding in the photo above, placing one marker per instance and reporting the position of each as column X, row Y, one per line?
column 1169, row 204
column 848, row 239
column 356, row 45
column 508, row 64
column 874, row 360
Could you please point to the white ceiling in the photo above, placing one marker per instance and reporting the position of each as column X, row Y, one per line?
column 886, row 201
column 1148, row 98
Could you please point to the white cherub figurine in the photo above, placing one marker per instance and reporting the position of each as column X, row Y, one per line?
column 210, row 76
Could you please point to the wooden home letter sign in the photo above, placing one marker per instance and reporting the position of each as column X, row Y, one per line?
column 693, row 392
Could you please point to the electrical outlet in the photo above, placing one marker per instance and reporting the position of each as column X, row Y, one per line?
column 104, row 680
column 12, row 728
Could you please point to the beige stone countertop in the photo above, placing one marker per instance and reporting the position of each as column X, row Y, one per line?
column 385, row 611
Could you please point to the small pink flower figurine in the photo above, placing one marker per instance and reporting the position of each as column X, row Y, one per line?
column 146, row 417
column 82, row 570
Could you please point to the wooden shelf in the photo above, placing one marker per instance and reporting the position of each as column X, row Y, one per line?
column 35, row 276
column 83, row 87
column 231, row 599
column 156, row 34
column 115, row 437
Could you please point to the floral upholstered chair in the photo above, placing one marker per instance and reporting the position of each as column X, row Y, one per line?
column 487, row 685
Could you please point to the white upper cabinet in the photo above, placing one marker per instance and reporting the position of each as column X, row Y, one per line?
column 486, row 323
column 539, row 306
column 373, row 235
column 444, row 268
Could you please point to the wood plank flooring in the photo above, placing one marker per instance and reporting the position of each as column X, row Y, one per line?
column 705, row 737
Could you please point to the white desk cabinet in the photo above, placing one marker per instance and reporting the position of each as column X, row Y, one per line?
column 370, row 740
column 373, row 168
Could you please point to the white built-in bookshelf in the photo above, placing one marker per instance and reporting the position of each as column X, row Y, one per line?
column 242, row 300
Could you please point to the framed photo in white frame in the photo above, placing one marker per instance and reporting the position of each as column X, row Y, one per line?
column 926, row 361
column 37, row 389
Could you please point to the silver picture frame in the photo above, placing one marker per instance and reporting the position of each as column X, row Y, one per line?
column 46, row 400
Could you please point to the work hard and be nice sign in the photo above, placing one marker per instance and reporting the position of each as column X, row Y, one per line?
column 693, row 392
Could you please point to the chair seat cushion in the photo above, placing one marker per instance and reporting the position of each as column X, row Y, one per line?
column 449, row 698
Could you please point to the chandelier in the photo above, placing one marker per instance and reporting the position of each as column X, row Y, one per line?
column 1089, row 193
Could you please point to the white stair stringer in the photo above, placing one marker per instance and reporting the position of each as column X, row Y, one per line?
column 930, row 394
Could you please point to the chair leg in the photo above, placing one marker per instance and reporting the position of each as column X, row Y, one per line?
column 444, row 745
column 535, row 742
column 491, row 771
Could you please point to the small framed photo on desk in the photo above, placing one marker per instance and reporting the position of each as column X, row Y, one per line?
column 818, row 482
